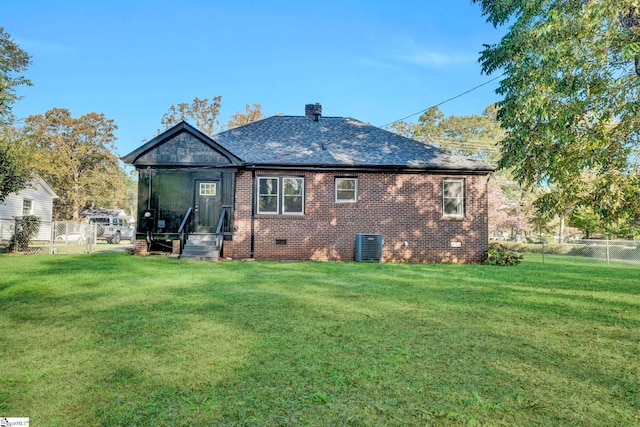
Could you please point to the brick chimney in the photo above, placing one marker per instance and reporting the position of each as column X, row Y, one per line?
column 313, row 110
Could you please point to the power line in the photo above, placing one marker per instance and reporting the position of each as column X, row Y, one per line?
column 462, row 144
column 445, row 101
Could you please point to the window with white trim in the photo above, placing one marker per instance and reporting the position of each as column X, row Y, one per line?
column 27, row 207
column 292, row 196
column 280, row 195
column 453, row 197
column 208, row 188
column 346, row 190
column 268, row 195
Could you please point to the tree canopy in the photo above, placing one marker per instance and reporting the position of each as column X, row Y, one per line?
column 202, row 111
column 76, row 156
column 13, row 60
column 14, row 163
column 570, row 96
column 252, row 113
column 475, row 135
column 205, row 114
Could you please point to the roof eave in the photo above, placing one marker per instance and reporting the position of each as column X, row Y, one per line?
column 482, row 170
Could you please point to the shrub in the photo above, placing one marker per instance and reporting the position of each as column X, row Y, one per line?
column 499, row 254
column 27, row 227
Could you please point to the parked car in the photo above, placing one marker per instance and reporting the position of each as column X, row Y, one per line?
column 76, row 238
column 113, row 229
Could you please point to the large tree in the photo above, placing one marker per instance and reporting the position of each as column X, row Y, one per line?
column 202, row 111
column 15, row 162
column 76, row 156
column 252, row 113
column 13, row 61
column 204, row 114
column 14, row 166
column 475, row 135
column 570, row 95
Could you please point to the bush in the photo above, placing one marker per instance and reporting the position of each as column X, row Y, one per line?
column 499, row 254
column 27, row 227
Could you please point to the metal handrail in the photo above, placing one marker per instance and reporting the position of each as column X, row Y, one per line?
column 221, row 228
column 221, row 222
column 183, row 224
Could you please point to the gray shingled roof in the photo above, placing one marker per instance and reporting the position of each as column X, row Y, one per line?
column 335, row 141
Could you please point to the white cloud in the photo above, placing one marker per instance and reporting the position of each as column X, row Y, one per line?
column 429, row 58
column 42, row 46
column 407, row 50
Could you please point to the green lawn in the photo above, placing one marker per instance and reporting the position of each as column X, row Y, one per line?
column 117, row 340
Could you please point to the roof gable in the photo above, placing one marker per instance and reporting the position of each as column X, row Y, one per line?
column 45, row 186
column 182, row 145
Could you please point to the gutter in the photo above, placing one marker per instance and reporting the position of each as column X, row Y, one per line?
column 369, row 168
column 253, row 213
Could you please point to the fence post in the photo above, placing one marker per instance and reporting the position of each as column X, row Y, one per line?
column 607, row 249
column 52, row 238
column 15, row 234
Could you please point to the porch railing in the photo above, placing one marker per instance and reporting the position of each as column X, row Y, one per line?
column 224, row 226
column 185, row 227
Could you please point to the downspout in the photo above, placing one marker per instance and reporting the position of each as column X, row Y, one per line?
column 149, row 234
column 150, row 178
column 253, row 211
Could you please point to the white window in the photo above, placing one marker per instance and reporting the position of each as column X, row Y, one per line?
column 453, row 197
column 207, row 188
column 293, row 196
column 346, row 190
column 27, row 207
column 268, row 195
column 280, row 195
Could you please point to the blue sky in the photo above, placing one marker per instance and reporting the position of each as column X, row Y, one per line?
column 376, row 61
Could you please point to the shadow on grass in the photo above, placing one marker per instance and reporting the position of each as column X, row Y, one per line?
column 323, row 343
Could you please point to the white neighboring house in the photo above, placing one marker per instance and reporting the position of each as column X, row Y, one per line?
column 36, row 199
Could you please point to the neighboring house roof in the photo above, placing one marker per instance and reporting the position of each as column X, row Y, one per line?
column 335, row 141
column 45, row 186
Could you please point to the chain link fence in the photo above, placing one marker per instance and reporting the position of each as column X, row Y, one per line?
column 18, row 235
column 610, row 250
column 29, row 236
column 73, row 237
column 604, row 249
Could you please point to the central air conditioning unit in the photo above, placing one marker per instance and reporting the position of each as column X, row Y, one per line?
column 369, row 247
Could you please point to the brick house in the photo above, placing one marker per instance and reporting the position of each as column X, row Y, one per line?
column 309, row 187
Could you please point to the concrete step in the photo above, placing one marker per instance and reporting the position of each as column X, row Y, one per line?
column 200, row 258
column 201, row 247
column 202, row 238
column 200, row 251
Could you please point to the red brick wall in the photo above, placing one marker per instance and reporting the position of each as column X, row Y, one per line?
column 405, row 208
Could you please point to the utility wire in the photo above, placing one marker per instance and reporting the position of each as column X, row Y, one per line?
column 443, row 102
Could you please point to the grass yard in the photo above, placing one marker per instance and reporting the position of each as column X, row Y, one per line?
column 116, row 340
